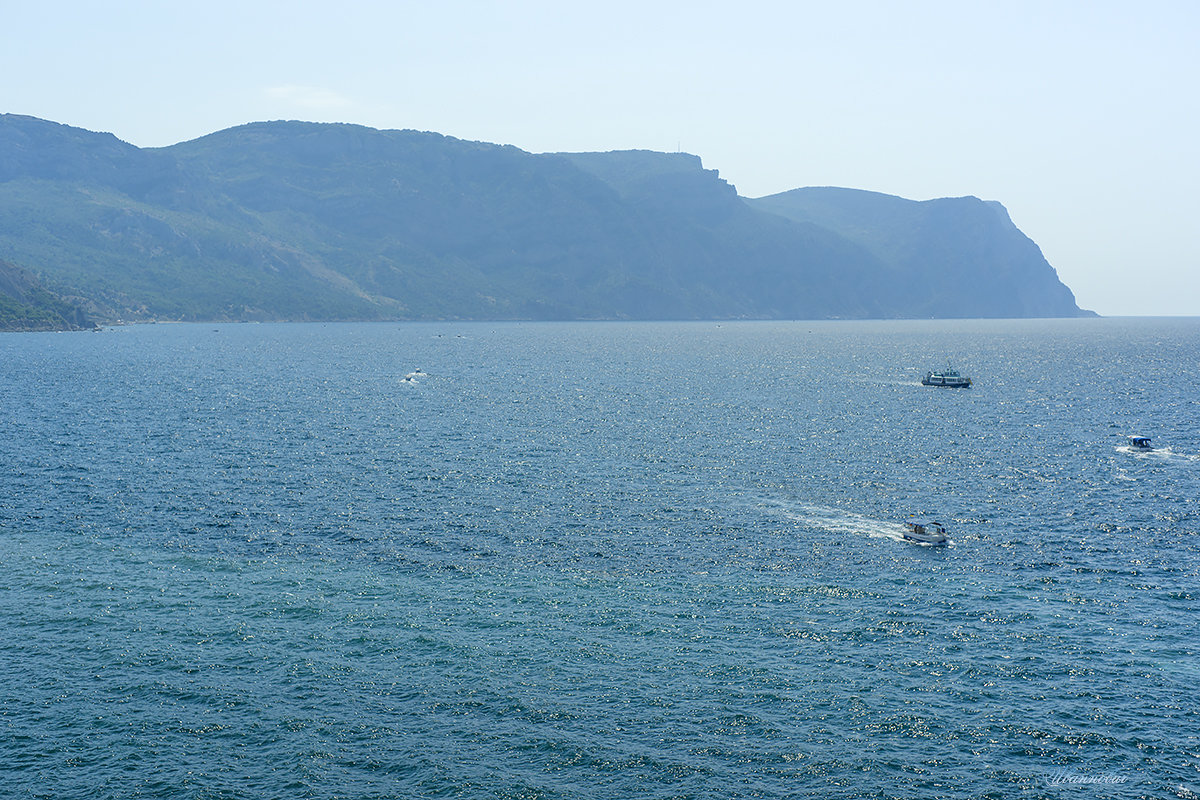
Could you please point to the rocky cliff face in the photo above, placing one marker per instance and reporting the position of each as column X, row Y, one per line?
column 314, row 221
column 26, row 305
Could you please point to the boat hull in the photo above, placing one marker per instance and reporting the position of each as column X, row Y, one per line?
column 926, row 539
column 949, row 383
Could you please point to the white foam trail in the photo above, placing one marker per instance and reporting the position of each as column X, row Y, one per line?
column 1164, row 453
column 836, row 520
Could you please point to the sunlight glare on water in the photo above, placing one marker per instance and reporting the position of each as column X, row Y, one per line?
column 610, row 560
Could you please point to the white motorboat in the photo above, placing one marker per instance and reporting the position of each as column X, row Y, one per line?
column 925, row 531
column 948, row 377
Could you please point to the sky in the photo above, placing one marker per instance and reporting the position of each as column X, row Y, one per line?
column 1082, row 118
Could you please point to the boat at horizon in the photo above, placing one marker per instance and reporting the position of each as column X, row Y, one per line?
column 948, row 377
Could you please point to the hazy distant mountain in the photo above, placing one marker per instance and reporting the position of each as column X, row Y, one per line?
column 959, row 257
column 290, row 220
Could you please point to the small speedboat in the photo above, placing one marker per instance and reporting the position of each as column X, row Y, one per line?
column 925, row 531
column 1140, row 442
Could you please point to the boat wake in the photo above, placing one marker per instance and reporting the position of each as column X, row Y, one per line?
column 1162, row 453
column 836, row 520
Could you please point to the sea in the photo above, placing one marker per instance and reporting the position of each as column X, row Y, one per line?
column 600, row 560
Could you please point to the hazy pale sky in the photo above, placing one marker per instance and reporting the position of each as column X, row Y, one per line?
column 1082, row 118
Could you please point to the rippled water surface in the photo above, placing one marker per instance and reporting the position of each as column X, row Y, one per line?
column 600, row 561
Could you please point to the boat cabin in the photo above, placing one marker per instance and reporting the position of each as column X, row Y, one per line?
column 1142, row 442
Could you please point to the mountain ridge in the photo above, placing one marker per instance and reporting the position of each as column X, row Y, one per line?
column 309, row 221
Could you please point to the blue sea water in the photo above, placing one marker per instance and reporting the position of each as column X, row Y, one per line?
column 600, row 561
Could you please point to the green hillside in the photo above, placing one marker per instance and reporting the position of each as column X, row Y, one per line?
column 26, row 305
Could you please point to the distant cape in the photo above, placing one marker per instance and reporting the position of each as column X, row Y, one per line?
column 309, row 221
